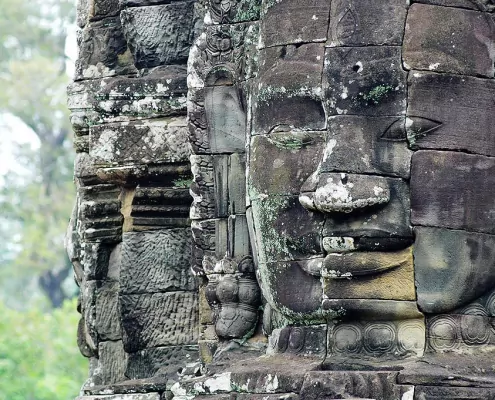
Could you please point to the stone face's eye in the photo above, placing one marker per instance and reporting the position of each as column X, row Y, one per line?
column 396, row 132
column 417, row 128
column 289, row 140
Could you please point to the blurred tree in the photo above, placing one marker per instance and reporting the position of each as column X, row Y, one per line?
column 38, row 356
column 35, row 204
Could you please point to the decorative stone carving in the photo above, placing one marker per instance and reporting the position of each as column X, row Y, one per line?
column 341, row 175
column 129, row 238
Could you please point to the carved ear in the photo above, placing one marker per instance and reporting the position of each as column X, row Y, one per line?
column 419, row 127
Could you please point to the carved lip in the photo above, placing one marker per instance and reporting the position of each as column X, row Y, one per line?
column 348, row 265
column 344, row 244
column 355, row 263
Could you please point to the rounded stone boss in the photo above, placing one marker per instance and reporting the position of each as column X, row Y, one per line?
column 348, row 147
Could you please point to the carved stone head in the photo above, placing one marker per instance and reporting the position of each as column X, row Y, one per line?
column 370, row 165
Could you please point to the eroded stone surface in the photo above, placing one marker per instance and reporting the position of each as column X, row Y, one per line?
column 288, row 22
column 435, row 203
column 451, row 112
column 156, row 262
column 444, row 39
column 150, row 44
column 159, row 319
column 364, row 81
column 453, row 267
column 356, row 23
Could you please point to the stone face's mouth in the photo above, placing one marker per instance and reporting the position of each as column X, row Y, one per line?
column 344, row 244
column 346, row 257
column 360, row 263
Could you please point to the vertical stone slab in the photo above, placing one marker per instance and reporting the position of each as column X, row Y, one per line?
column 225, row 118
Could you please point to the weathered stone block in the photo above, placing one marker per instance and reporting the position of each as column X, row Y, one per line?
column 368, row 340
column 160, row 361
column 452, row 267
column 289, row 21
column 159, row 35
column 139, row 142
column 281, row 162
column 300, row 340
column 452, row 393
column 358, row 23
column 434, row 202
column 451, row 112
column 142, row 3
column 93, row 10
column 350, row 384
column 364, row 81
column 156, row 261
column 443, row 39
column 371, row 309
column 103, row 50
column 480, row 5
column 460, row 333
column 107, row 314
column 95, row 260
column 138, row 396
column 99, row 218
column 159, row 319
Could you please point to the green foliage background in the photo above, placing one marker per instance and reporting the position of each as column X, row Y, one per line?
column 39, row 358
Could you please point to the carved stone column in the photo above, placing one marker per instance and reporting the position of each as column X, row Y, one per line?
column 129, row 238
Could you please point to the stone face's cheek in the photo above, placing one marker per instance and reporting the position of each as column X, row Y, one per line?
column 293, row 292
column 434, row 202
column 281, row 162
column 284, row 230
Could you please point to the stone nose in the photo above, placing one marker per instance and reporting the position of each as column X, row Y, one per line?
column 333, row 192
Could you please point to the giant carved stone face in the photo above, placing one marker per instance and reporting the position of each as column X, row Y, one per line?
column 371, row 167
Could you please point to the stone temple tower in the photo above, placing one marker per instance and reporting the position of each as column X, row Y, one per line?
column 285, row 199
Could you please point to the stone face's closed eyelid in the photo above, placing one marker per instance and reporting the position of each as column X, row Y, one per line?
column 396, row 132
